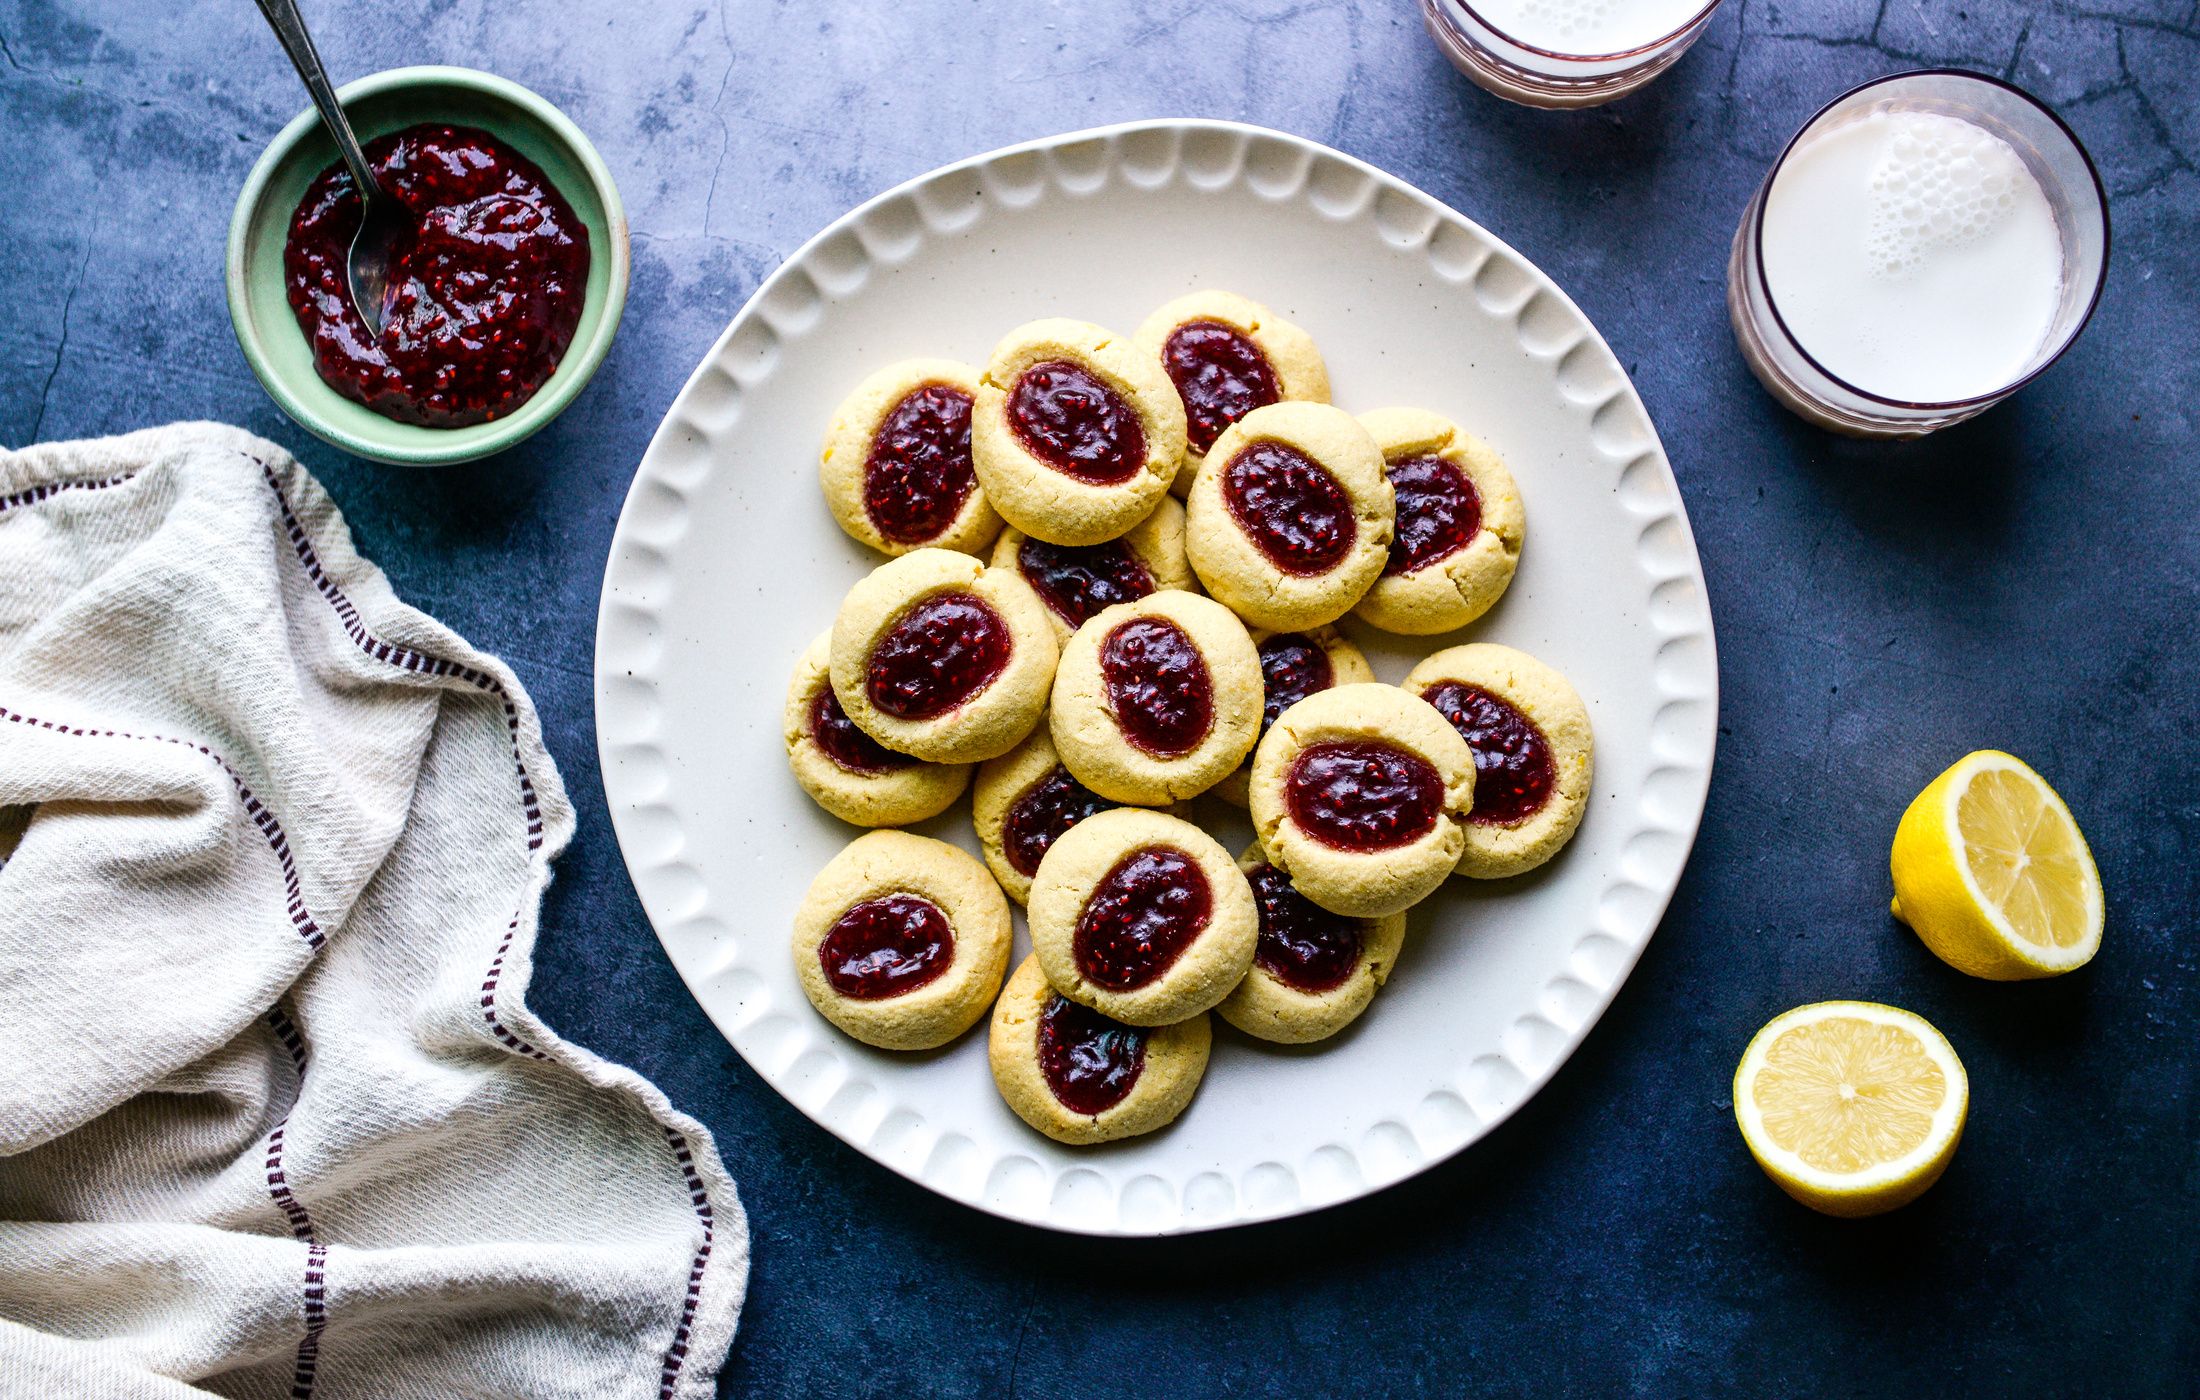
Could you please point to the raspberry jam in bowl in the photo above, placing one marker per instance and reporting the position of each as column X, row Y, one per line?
column 501, row 305
column 485, row 279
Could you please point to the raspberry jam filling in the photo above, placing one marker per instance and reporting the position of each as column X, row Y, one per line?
column 1438, row 513
column 1067, row 418
column 1290, row 507
column 847, row 746
column 918, row 474
column 1158, row 686
column 1302, row 945
column 1292, row 667
column 939, row 653
column 887, row 946
column 1076, row 582
column 1358, row 795
column 1038, row 818
column 1090, row 1062
column 1220, row 374
column 1144, row 913
column 1513, row 768
column 487, row 279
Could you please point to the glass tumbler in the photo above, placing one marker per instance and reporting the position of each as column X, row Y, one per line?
column 1520, row 71
column 2054, row 158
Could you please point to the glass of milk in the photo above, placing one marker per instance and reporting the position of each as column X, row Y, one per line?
column 1564, row 53
column 1926, row 245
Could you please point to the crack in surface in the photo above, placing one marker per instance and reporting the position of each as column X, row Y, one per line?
column 725, row 129
column 2123, row 22
column 2151, row 183
column 2164, row 136
column 1016, row 1355
column 1340, row 123
column 772, row 256
column 2016, row 53
column 68, row 301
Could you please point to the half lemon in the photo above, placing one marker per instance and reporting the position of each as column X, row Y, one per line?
column 1993, row 874
column 1853, row 1108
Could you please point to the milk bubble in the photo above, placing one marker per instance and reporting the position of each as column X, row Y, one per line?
column 1941, row 184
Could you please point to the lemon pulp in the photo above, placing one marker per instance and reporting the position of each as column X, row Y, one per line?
column 1846, row 1095
column 2027, row 858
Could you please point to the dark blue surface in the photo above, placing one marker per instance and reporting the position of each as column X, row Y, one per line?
column 2027, row 582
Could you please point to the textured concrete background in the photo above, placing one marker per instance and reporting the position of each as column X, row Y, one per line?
column 2028, row 581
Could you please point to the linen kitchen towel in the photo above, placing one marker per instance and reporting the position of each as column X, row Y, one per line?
column 275, row 1119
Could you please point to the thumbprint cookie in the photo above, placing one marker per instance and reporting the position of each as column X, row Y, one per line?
column 1533, row 755
column 935, row 656
column 1076, row 435
column 1141, row 916
column 1156, row 700
column 1081, row 1078
column 902, row 940
column 1293, row 665
column 1460, row 525
column 896, row 461
column 1075, row 581
column 1289, row 521
column 1227, row 356
column 1313, row 972
column 846, row 771
column 1022, row 802
column 1360, row 794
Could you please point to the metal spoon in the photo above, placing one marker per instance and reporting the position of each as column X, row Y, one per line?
column 381, row 219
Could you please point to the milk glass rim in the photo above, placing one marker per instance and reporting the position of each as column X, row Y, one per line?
column 1772, row 303
column 1638, row 52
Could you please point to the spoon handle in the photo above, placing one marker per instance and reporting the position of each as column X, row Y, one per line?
column 290, row 28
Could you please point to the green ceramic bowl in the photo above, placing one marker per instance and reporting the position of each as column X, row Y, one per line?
column 383, row 103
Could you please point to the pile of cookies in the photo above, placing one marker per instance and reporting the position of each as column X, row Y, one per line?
column 1054, row 626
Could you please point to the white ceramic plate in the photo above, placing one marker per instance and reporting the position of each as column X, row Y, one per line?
column 726, row 564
